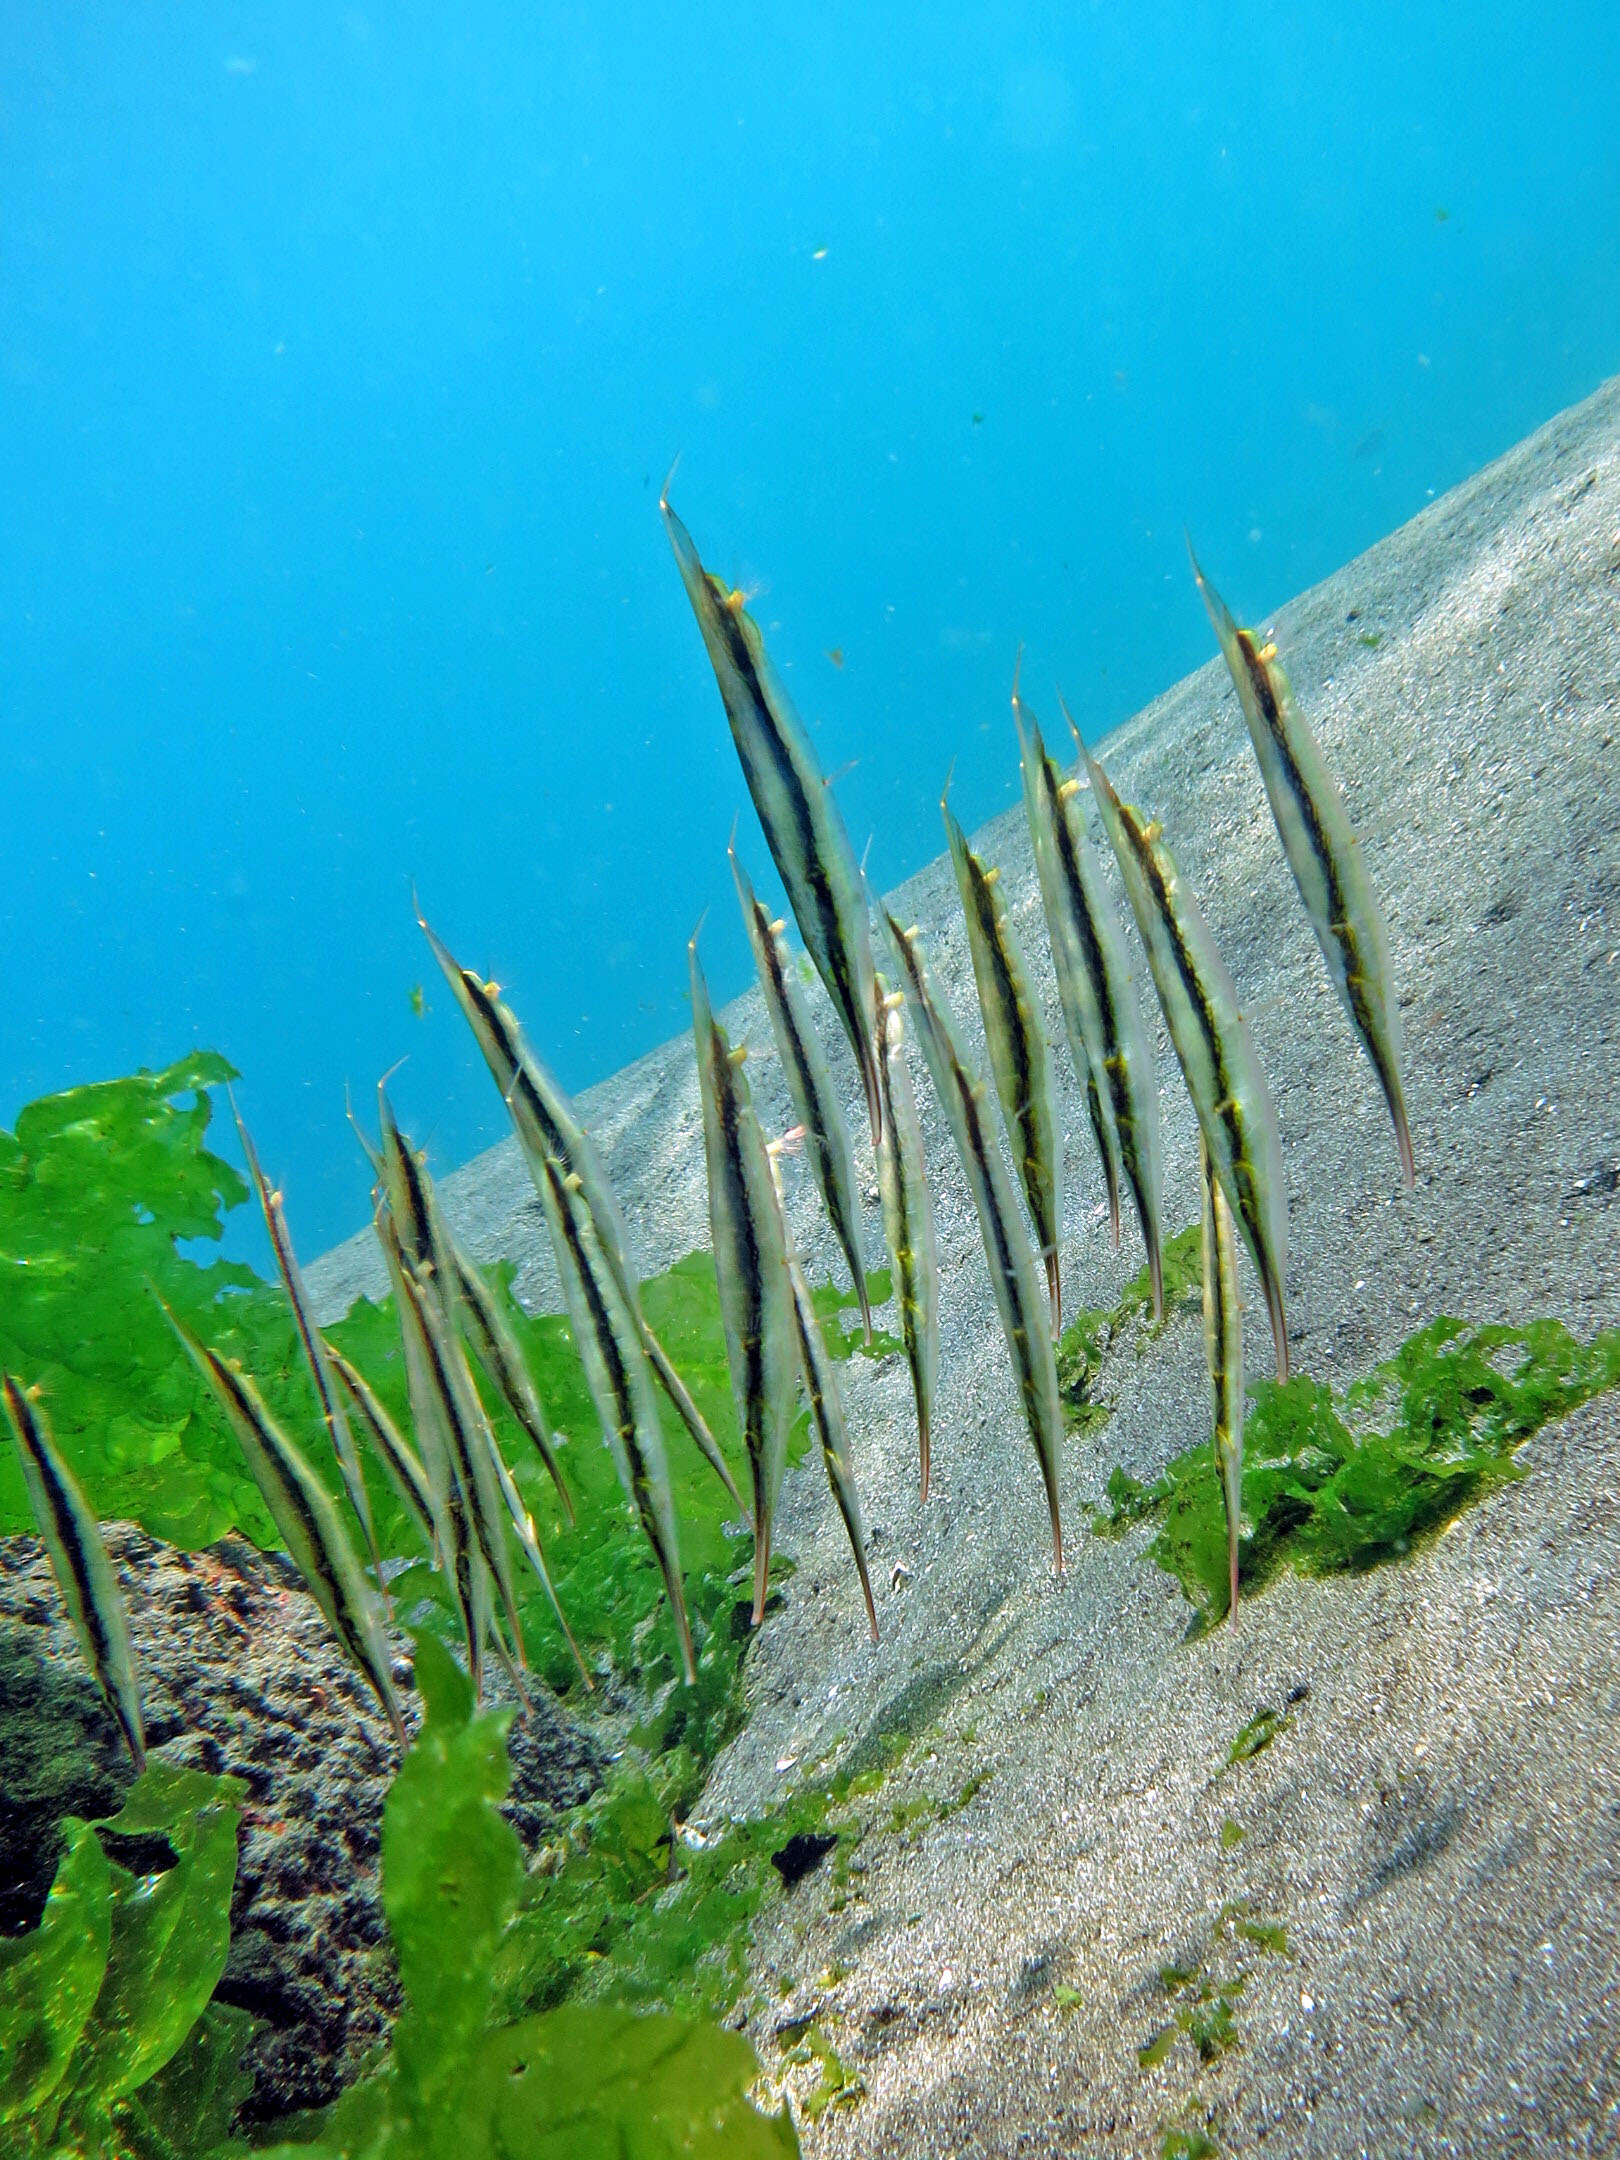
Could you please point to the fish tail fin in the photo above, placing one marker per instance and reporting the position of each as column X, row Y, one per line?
column 1279, row 1327
column 1403, row 1132
column 1150, row 1231
column 1232, row 1570
column 135, row 1737
column 866, row 1592
column 563, row 1494
column 684, row 1625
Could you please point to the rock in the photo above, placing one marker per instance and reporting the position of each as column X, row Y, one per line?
column 239, row 1673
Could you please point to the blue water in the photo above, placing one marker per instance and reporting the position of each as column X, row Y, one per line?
column 341, row 357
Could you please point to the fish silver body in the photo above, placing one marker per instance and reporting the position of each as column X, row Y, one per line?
column 465, row 1575
column 1323, row 853
column 1101, row 1015
column 401, row 1461
column 548, row 1129
column 1211, row 1040
column 800, row 817
column 84, row 1573
column 1223, row 1353
column 470, row 1446
column 809, row 1083
column 503, row 1361
column 307, row 1517
column 620, row 1380
column 908, row 1216
column 826, row 1406
column 333, row 1416
column 1020, row 1061
column 1007, row 1249
column 750, row 1264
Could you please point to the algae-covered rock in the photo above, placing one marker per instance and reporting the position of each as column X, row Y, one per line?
column 239, row 1674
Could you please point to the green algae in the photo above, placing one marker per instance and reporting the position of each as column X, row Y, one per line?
column 1255, row 1737
column 1203, row 1993
column 837, row 2085
column 468, row 2070
column 1092, row 1335
column 106, row 2028
column 1333, row 1486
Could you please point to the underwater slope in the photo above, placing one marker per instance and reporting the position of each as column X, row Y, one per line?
column 1435, row 1830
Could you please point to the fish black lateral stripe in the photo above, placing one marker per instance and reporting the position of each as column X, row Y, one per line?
column 804, row 829
column 292, row 1489
column 1007, row 991
column 751, row 1268
column 618, row 1378
column 1226, row 1108
column 65, row 1518
column 1069, row 862
column 1304, row 802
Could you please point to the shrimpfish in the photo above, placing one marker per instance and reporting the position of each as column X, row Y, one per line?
column 1223, row 1352
column 1323, row 852
column 908, row 1215
column 621, row 1385
column 809, row 1081
column 826, row 1404
column 84, row 1574
column 307, row 1517
column 314, row 1344
column 750, row 1264
column 1101, row 1016
column 1007, row 1248
column 801, row 821
column 396, row 1454
column 1020, row 1062
column 547, row 1129
column 1211, row 1041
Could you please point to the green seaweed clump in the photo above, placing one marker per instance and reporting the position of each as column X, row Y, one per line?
column 464, row 2077
column 109, row 2044
column 1091, row 1334
column 1321, row 1496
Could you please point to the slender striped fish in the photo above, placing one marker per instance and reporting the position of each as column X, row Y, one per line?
column 393, row 1450
column 469, row 1444
column 528, row 1539
column 800, row 817
column 823, row 1396
column 1101, row 1016
column 1323, row 852
column 333, row 1416
column 621, row 1385
column 1223, row 1349
column 503, row 1360
column 307, row 1517
column 750, row 1265
column 809, row 1080
column 84, row 1574
column 908, row 1215
column 1007, row 1248
column 1211, row 1041
column 1020, row 1062
column 547, row 1128
column 464, row 1572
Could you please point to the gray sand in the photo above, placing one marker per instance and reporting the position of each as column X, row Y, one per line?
column 1438, row 1828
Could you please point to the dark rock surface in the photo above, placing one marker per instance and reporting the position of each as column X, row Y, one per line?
column 239, row 1674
